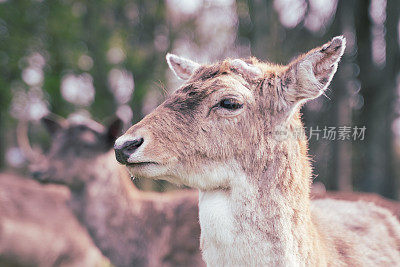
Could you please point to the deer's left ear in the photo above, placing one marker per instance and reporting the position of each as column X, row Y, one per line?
column 308, row 76
column 182, row 67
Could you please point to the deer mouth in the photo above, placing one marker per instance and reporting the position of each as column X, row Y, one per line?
column 147, row 169
column 140, row 164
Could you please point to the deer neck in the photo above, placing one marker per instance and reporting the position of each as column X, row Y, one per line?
column 264, row 219
column 104, row 185
column 121, row 219
column 108, row 207
column 103, row 196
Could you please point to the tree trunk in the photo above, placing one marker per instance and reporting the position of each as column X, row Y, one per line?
column 378, row 87
column 342, row 156
column 392, row 70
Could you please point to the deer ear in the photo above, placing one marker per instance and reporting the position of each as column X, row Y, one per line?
column 114, row 130
column 53, row 123
column 308, row 76
column 183, row 68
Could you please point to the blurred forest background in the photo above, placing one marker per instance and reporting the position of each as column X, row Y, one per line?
column 107, row 57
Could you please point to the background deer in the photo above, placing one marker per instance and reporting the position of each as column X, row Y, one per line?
column 131, row 227
column 217, row 133
column 38, row 229
column 318, row 191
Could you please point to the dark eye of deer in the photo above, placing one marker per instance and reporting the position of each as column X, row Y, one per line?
column 230, row 103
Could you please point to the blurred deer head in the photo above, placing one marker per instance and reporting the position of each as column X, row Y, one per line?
column 76, row 142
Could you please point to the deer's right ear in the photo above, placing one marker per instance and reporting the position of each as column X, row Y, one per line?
column 114, row 130
column 182, row 67
column 53, row 123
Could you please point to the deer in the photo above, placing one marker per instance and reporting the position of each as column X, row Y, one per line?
column 129, row 226
column 38, row 229
column 218, row 133
column 318, row 191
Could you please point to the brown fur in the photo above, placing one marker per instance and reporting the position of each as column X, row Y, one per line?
column 393, row 206
column 38, row 229
column 130, row 227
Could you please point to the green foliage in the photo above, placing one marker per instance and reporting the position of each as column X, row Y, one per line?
column 63, row 31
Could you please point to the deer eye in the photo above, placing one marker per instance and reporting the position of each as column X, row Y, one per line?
column 230, row 103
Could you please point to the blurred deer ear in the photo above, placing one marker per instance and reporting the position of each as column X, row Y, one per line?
column 308, row 76
column 183, row 68
column 114, row 129
column 53, row 123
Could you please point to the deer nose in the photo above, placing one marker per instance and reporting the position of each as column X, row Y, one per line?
column 124, row 151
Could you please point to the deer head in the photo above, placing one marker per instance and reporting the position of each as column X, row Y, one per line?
column 76, row 142
column 222, row 121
